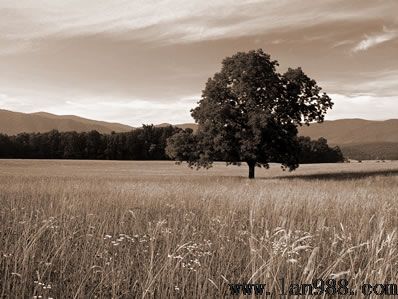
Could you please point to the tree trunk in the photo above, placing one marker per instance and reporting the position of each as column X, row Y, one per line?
column 252, row 165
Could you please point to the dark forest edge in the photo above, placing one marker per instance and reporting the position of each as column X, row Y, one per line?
column 146, row 143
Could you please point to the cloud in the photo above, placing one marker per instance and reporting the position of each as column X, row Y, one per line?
column 363, row 106
column 134, row 112
column 342, row 43
column 174, row 20
column 376, row 39
column 382, row 84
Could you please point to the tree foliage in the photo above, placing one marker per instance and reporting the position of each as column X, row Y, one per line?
column 250, row 113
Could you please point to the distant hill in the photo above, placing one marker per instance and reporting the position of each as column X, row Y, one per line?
column 353, row 131
column 371, row 151
column 12, row 123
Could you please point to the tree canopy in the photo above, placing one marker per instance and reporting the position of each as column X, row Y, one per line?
column 250, row 113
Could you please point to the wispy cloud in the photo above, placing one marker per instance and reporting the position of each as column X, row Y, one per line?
column 376, row 39
column 342, row 43
column 174, row 20
column 376, row 84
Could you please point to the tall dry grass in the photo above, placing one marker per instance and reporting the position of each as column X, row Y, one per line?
column 154, row 230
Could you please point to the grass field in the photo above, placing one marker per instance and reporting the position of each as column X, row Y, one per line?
column 84, row 229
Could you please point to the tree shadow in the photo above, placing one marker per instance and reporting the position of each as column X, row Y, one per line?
column 339, row 176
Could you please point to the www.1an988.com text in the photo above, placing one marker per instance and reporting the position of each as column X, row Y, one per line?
column 338, row 287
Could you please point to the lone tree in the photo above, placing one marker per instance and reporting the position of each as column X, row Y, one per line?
column 250, row 113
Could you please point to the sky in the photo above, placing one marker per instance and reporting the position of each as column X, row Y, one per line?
column 139, row 62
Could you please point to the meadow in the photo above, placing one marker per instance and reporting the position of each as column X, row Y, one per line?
column 106, row 229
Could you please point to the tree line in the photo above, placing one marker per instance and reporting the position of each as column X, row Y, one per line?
column 146, row 143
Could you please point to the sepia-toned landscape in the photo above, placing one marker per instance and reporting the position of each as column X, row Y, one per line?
column 108, row 229
column 198, row 149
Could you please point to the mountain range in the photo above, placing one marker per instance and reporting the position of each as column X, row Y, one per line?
column 358, row 138
column 12, row 123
